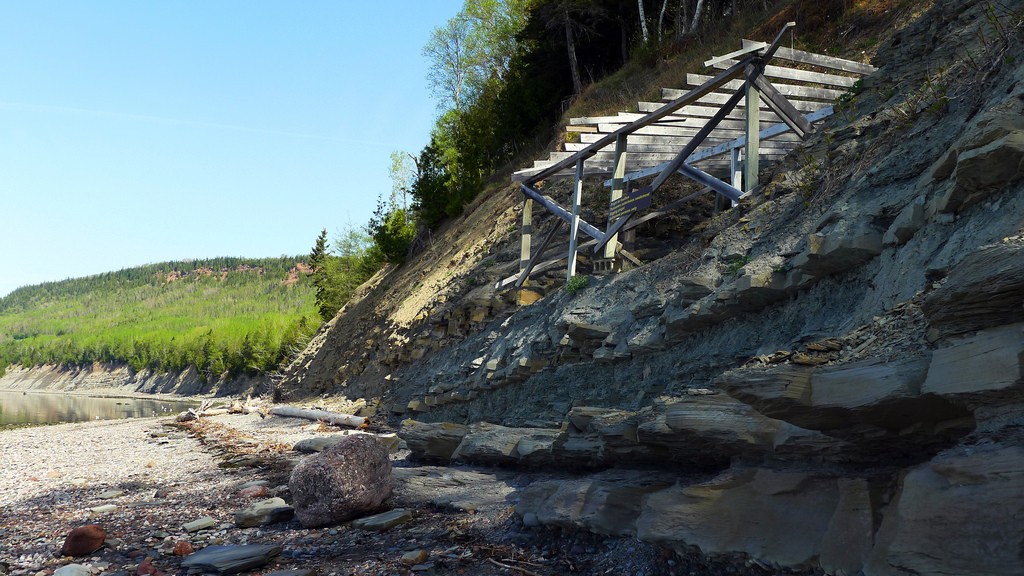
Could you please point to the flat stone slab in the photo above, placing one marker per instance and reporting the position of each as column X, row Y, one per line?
column 269, row 511
column 110, row 494
column 230, row 559
column 200, row 524
column 384, row 521
column 105, row 509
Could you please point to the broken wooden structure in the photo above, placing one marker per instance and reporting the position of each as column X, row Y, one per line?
column 707, row 134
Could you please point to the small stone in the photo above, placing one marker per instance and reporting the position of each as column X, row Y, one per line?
column 182, row 548
column 423, row 567
column 146, row 567
column 252, row 483
column 269, row 511
column 415, row 557
column 161, row 493
column 383, row 521
column 110, row 494
column 84, row 540
column 72, row 570
column 254, row 492
column 297, row 572
column 200, row 524
column 105, row 509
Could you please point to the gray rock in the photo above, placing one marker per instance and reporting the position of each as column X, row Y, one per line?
column 105, row 509
column 72, row 570
column 252, row 483
column 200, row 524
column 350, row 478
column 383, row 521
column 110, row 494
column 431, row 441
column 269, row 511
column 230, row 559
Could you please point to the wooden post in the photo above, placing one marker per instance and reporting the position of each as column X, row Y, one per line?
column 752, row 154
column 574, row 227
column 525, row 244
column 736, row 169
column 618, row 186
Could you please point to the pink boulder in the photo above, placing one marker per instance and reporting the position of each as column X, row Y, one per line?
column 343, row 482
column 84, row 540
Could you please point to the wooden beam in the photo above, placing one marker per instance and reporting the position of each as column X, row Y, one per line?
column 574, row 227
column 618, row 187
column 790, row 115
column 710, row 181
column 747, row 49
column 527, row 234
column 557, row 209
column 525, row 273
column 752, row 154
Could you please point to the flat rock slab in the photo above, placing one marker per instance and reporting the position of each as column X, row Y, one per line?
column 73, row 570
column 454, row 488
column 105, row 509
column 110, row 494
column 269, row 511
column 200, row 524
column 384, row 521
column 230, row 559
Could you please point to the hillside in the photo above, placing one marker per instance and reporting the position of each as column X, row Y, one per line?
column 216, row 320
column 830, row 374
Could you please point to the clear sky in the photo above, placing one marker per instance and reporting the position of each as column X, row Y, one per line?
column 142, row 131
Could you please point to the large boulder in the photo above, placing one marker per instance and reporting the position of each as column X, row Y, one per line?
column 343, row 482
column 83, row 540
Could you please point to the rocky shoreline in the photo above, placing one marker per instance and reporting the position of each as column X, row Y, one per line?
column 163, row 492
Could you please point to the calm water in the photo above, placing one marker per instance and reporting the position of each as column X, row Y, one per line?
column 30, row 408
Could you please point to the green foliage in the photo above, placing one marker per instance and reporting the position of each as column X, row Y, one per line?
column 240, row 316
column 575, row 284
column 337, row 274
column 392, row 231
column 734, row 264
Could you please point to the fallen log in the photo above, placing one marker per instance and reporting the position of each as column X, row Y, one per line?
column 332, row 418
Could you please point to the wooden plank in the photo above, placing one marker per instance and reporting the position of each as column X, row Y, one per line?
column 709, row 86
column 526, row 237
column 708, row 153
column 708, row 109
column 790, row 115
column 783, row 73
column 679, row 142
column 572, row 128
column 617, row 185
column 820, row 60
column 789, row 90
column 716, row 99
column 747, row 49
column 674, row 148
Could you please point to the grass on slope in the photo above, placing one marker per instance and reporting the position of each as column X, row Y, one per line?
column 222, row 315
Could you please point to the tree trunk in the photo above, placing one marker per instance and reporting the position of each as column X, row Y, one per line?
column 570, row 44
column 334, row 418
column 696, row 17
column 661, row 18
column 643, row 21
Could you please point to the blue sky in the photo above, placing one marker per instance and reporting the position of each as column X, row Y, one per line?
column 140, row 131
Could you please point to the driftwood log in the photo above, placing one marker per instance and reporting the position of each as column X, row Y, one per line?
column 333, row 418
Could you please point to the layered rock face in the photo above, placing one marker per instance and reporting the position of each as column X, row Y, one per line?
column 850, row 399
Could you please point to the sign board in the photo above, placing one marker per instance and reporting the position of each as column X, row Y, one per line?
column 631, row 201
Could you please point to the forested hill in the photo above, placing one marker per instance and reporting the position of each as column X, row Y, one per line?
column 220, row 315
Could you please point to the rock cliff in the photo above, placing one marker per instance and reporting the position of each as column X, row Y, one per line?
column 830, row 375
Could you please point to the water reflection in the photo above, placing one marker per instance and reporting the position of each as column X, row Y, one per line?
column 24, row 408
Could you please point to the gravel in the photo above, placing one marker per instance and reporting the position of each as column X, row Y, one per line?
column 172, row 475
